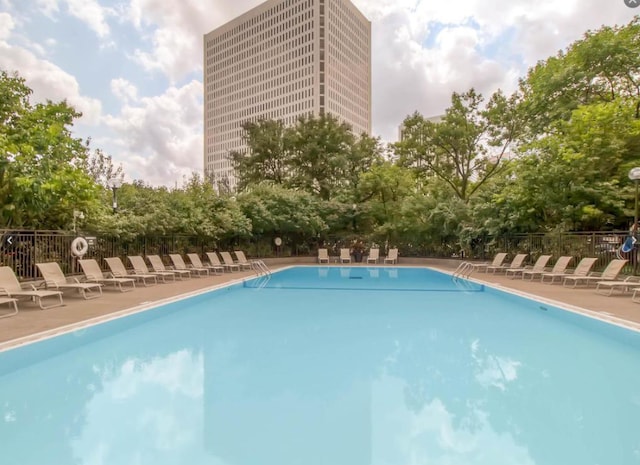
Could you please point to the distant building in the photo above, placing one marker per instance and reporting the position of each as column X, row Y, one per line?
column 433, row 119
column 281, row 60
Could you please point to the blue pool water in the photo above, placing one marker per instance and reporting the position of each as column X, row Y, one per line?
column 298, row 369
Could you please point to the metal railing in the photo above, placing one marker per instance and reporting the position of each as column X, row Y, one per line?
column 21, row 250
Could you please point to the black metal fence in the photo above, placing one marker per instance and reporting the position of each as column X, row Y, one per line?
column 21, row 250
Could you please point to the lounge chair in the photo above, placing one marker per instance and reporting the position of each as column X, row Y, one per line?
column 345, row 256
column 11, row 287
column 610, row 273
column 54, row 278
column 498, row 260
column 517, row 262
column 118, row 270
column 215, row 261
column 158, row 266
column 392, row 256
column 228, row 261
column 179, row 264
column 94, row 274
column 12, row 303
column 323, row 256
column 560, row 267
column 540, row 265
column 625, row 285
column 140, row 267
column 374, row 256
column 583, row 269
column 194, row 258
column 242, row 260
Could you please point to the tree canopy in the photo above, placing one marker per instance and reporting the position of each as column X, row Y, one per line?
column 552, row 156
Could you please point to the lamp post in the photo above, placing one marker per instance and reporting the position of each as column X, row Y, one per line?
column 634, row 175
column 115, row 183
column 77, row 214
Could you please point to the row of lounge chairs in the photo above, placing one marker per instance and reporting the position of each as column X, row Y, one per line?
column 48, row 294
column 606, row 282
column 345, row 256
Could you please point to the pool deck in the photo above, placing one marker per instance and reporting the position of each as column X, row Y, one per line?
column 32, row 323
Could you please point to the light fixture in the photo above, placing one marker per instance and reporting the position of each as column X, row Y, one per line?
column 115, row 184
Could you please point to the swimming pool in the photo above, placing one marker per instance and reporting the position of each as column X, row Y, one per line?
column 328, row 365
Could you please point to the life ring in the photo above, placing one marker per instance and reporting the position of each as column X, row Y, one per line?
column 79, row 247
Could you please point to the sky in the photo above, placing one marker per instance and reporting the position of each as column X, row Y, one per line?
column 134, row 67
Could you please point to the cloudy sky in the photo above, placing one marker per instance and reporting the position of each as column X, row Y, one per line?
column 134, row 67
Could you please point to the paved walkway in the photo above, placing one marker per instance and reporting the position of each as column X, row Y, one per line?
column 31, row 322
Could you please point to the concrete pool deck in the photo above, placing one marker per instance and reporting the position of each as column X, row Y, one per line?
column 32, row 323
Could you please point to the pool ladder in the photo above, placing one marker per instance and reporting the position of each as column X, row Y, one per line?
column 260, row 268
column 464, row 270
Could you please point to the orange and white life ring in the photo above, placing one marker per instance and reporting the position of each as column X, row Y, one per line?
column 79, row 247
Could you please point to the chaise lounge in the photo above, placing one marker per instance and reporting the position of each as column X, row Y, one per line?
column 54, row 278
column 11, row 287
column 94, row 274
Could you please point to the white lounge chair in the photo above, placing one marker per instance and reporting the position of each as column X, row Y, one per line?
column 12, row 303
column 540, row 265
column 498, row 260
column 392, row 256
column 179, row 264
column 11, row 287
column 93, row 274
column 345, row 256
column 374, row 256
column 194, row 258
column 625, row 285
column 517, row 262
column 228, row 262
column 140, row 267
column 560, row 267
column 118, row 270
column 583, row 269
column 242, row 260
column 323, row 256
column 610, row 273
column 54, row 278
column 158, row 266
column 215, row 261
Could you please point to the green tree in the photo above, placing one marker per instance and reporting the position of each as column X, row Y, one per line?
column 267, row 157
column 601, row 67
column 466, row 147
column 42, row 176
column 278, row 211
column 320, row 147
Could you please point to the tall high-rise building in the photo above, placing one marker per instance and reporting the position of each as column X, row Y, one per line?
column 281, row 60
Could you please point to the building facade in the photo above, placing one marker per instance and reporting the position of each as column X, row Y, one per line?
column 281, row 60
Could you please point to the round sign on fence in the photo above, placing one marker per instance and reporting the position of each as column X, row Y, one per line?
column 277, row 241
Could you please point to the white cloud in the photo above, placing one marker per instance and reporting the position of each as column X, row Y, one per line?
column 6, row 25
column 92, row 14
column 124, row 90
column 160, row 138
column 48, row 7
column 46, row 79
